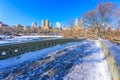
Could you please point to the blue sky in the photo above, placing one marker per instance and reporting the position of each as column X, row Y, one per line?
column 25, row 12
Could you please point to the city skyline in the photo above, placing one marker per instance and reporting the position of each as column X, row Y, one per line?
column 25, row 12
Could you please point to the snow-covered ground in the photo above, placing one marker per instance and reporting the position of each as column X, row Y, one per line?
column 4, row 36
column 18, row 39
column 114, row 49
column 82, row 60
column 92, row 67
column 31, row 56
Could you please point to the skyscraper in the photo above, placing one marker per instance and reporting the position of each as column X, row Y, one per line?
column 81, row 23
column 76, row 26
column 47, row 23
column 43, row 23
column 34, row 24
column 1, row 24
column 58, row 25
column 50, row 25
column 76, row 22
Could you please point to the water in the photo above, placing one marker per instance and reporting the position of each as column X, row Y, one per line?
column 23, row 39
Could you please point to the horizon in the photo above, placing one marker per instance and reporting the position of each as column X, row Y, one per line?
column 25, row 12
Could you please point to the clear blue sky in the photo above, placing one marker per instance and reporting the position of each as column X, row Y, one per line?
column 25, row 12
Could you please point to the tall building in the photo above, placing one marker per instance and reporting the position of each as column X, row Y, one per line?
column 81, row 23
column 58, row 25
column 1, row 24
column 47, row 23
column 76, row 26
column 34, row 24
column 43, row 23
column 50, row 25
column 76, row 22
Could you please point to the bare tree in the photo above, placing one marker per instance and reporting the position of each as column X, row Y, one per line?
column 90, row 18
column 105, row 12
column 117, row 18
column 101, row 15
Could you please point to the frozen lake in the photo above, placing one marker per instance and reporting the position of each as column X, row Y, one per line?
column 22, row 39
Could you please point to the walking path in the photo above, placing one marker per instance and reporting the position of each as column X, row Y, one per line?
column 82, row 60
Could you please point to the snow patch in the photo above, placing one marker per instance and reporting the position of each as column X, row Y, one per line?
column 114, row 50
column 93, row 66
column 30, row 56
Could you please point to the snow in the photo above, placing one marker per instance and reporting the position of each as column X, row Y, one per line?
column 82, row 60
column 29, row 56
column 114, row 50
column 93, row 66
column 3, row 53
column 38, row 36
column 18, row 39
column 4, row 36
